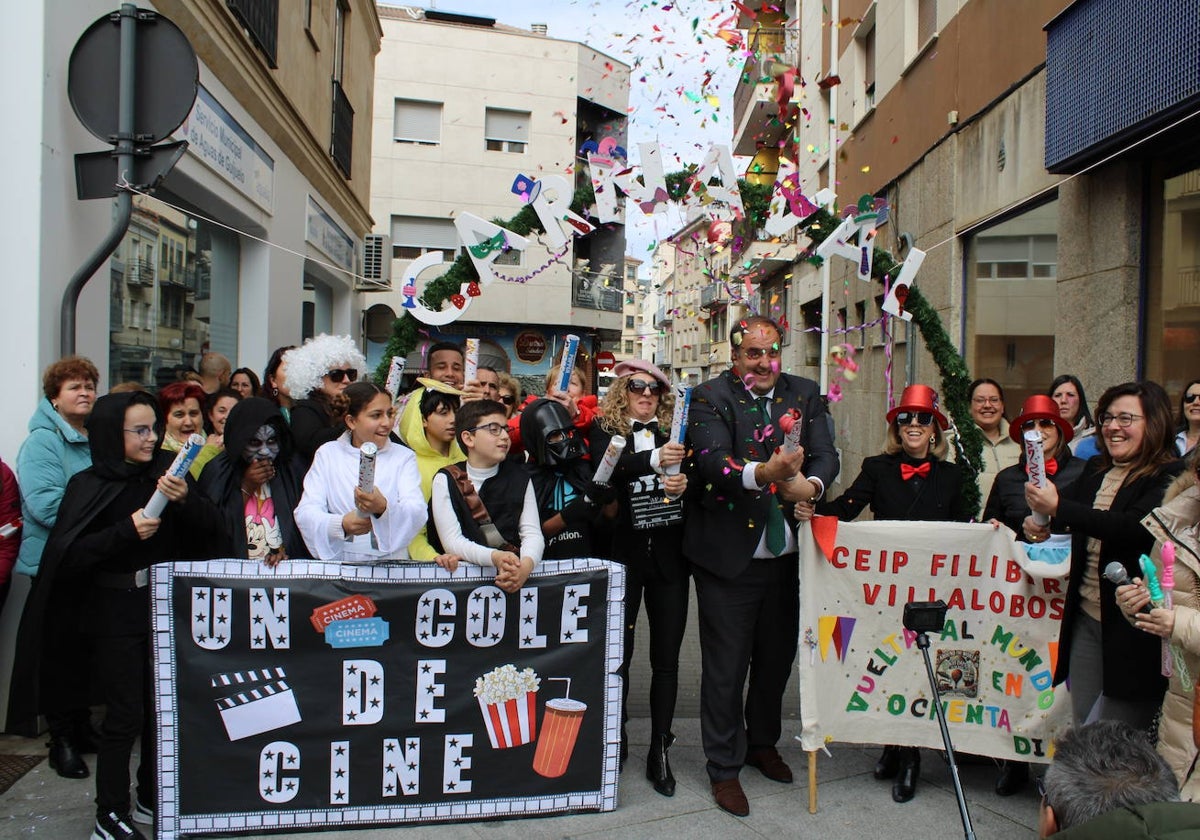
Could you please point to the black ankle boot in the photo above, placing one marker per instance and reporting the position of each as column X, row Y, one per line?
column 905, row 786
column 65, row 759
column 658, row 768
column 888, row 763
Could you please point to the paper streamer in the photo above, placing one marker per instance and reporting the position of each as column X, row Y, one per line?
column 178, row 468
column 1035, row 466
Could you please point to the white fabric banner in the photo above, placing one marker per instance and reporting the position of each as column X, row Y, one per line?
column 862, row 675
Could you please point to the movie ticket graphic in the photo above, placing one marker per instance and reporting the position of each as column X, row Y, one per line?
column 335, row 695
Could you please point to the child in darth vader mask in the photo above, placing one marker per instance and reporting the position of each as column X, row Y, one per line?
column 571, row 506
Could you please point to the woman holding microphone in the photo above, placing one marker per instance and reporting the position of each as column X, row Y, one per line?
column 909, row 481
column 1114, row 668
column 647, row 539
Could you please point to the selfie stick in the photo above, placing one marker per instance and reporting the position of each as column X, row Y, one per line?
column 912, row 621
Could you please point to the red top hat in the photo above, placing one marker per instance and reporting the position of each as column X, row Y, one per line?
column 1039, row 407
column 919, row 398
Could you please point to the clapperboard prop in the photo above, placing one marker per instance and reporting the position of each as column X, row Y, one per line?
column 325, row 695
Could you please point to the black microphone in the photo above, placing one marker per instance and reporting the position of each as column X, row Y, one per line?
column 1116, row 574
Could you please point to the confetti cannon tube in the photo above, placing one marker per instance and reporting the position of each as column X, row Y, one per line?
column 178, row 468
column 395, row 374
column 1035, row 466
column 366, row 470
column 792, row 429
column 570, row 350
column 679, row 419
column 611, row 455
column 471, row 360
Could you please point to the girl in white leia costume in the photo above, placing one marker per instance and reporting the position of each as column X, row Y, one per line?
column 338, row 520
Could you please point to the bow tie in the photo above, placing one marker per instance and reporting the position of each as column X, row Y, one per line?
column 651, row 425
column 907, row 471
column 1051, row 467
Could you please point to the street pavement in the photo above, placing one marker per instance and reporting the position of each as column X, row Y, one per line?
column 851, row 803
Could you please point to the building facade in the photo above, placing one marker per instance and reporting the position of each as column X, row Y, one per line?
column 463, row 106
column 1048, row 200
column 279, row 150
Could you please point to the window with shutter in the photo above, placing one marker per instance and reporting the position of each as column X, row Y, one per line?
column 506, row 131
column 414, row 236
column 418, row 122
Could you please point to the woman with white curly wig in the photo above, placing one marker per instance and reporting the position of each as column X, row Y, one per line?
column 317, row 374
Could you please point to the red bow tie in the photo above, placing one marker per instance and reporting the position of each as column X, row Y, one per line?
column 1051, row 467
column 907, row 471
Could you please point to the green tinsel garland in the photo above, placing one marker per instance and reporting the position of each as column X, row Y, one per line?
column 956, row 378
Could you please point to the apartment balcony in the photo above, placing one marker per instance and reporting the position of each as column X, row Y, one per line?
column 755, row 107
column 662, row 358
column 139, row 273
column 766, row 254
column 663, row 316
column 712, row 295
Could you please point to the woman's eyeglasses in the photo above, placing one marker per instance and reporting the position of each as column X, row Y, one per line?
column 641, row 386
column 1124, row 419
column 341, row 374
column 143, row 432
column 493, row 429
column 923, row 418
column 1039, row 423
column 507, row 399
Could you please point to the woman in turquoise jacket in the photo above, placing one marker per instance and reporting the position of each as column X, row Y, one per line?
column 56, row 449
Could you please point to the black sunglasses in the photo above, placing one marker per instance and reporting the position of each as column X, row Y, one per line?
column 1040, row 423
column 507, row 399
column 924, row 418
column 1190, row 398
column 641, row 386
column 346, row 373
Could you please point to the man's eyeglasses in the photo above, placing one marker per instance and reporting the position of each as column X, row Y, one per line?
column 344, row 373
column 756, row 353
column 143, row 432
column 1040, row 423
column 507, row 399
column 1191, row 398
column 494, row 429
column 1124, row 419
column 923, row 418
column 641, row 386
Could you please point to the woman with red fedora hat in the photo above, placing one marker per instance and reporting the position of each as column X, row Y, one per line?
column 1006, row 504
column 910, row 481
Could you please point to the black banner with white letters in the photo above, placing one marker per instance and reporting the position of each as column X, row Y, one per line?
column 319, row 694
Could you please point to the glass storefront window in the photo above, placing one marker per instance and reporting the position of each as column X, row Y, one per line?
column 1012, row 303
column 174, row 295
column 1173, row 328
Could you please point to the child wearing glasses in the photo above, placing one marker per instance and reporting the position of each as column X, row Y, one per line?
column 910, row 481
column 484, row 509
column 318, row 372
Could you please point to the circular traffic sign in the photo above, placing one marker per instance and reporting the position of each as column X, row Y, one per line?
column 605, row 360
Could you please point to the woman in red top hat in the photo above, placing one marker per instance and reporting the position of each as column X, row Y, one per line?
column 909, row 481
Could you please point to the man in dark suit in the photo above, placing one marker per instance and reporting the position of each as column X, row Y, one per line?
column 743, row 551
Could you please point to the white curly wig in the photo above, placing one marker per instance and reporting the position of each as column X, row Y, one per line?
column 307, row 364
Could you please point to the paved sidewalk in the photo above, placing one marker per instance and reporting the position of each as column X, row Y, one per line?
column 851, row 803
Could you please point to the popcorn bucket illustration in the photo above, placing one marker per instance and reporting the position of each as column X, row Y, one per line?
column 509, row 707
column 560, row 730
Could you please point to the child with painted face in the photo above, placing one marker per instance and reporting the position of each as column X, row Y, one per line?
column 571, row 506
column 510, row 540
column 256, row 485
column 340, row 521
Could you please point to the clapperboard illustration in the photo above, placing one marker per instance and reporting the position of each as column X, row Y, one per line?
column 650, row 506
column 263, row 701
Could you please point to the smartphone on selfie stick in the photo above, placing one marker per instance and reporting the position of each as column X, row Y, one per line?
column 922, row 618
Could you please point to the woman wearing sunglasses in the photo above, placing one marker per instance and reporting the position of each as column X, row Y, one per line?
column 1188, row 424
column 1177, row 625
column 910, row 481
column 317, row 373
column 1114, row 667
column 510, row 393
column 648, row 540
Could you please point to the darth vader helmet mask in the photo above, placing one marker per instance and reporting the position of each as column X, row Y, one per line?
column 548, row 434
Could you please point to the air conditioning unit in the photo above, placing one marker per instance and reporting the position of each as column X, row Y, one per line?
column 376, row 264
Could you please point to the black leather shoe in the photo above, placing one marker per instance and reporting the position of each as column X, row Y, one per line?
column 1014, row 775
column 905, row 786
column 658, row 768
column 888, row 763
column 66, row 761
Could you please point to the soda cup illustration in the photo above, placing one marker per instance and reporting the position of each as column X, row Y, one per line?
column 560, row 730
